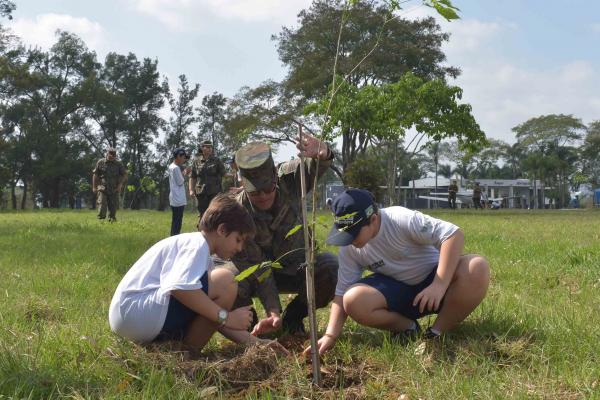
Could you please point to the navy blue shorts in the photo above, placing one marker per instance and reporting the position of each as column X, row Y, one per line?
column 399, row 295
column 179, row 317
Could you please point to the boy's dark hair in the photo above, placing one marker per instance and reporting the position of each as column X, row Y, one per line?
column 224, row 209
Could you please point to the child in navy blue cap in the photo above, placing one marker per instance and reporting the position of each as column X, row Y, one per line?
column 417, row 264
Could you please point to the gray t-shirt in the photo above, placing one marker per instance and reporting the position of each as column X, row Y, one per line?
column 406, row 248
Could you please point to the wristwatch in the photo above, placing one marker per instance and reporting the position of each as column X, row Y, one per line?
column 222, row 317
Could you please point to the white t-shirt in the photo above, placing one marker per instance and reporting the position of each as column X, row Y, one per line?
column 176, row 184
column 406, row 248
column 140, row 303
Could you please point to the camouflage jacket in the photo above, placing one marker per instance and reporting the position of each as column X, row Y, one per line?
column 452, row 189
column 109, row 173
column 272, row 226
column 208, row 174
column 477, row 192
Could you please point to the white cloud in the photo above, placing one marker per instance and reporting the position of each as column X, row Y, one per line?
column 506, row 91
column 595, row 27
column 41, row 31
column 184, row 15
column 504, row 94
column 466, row 35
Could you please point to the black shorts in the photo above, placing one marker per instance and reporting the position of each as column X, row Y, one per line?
column 179, row 317
column 399, row 295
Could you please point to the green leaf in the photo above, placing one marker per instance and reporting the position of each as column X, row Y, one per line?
column 264, row 275
column 293, row 230
column 247, row 272
column 276, row 265
column 445, row 8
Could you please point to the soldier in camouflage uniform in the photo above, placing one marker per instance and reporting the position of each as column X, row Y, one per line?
column 207, row 173
column 477, row 196
column 107, row 181
column 452, row 190
column 272, row 196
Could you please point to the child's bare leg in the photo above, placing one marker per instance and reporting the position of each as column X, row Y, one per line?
column 222, row 289
column 367, row 306
column 465, row 293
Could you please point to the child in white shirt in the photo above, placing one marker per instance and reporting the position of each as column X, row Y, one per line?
column 417, row 269
column 173, row 293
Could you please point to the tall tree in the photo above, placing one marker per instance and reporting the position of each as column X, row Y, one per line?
column 384, row 113
column 548, row 137
column 403, row 46
column 52, row 93
column 179, row 129
column 108, row 108
column 145, row 94
column 590, row 154
column 178, row 134
column 211, row 116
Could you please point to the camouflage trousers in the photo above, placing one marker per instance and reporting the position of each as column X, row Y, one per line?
column 203, row 202
column 107, row 200
column 326, row 268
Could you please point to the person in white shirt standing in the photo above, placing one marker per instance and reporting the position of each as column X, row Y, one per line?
column 177, row 198
column 417, row 264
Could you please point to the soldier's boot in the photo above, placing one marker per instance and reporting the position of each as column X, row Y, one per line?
column 294, row 315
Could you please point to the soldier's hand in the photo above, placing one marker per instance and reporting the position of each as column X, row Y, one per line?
column 192, row 193
column 312, row 147
column 267, row 325
column 239, row 319
column 119, row 188
column 95, row 189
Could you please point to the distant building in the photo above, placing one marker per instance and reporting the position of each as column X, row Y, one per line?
column 512, row 193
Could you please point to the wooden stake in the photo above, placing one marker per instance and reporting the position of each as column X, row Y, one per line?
column 310, row 274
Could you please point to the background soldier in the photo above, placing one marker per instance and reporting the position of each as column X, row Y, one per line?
column 107, row 181
column 477, row 195
column 272, row 196
column 207, row 173
column 452, row 190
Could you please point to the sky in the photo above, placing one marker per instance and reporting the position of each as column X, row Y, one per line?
column 519, row 58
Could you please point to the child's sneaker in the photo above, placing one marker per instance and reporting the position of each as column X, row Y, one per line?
column 430, row 334
column 407, row 335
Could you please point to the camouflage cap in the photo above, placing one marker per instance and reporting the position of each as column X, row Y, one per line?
column 206, row 143
column 256, row 166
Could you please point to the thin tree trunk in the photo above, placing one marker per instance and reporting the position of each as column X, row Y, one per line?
column 24, row 198
column 13, row 194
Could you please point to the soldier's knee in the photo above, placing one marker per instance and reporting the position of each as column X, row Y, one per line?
column 327, row 263
column 325, row 278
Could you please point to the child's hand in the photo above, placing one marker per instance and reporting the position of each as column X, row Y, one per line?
column 239, row 319
column 324, row 344
column 267, row 325
column 430, row 297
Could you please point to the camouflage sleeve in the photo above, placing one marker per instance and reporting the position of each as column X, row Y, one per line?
column 266, row 289
column 96, row 170
column 220, row 168
column 122, row 170
column 289, row 171
column 194, row 171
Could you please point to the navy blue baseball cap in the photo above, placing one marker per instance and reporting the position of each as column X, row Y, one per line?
column 178, row 152
column 352, row 210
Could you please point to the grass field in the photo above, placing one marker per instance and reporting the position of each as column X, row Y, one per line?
column 537, row 334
